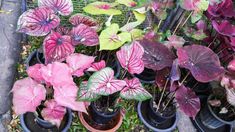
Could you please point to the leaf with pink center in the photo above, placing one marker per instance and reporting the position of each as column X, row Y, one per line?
column 188, row 101
column 134, row 90
column 63, row 7
column 27, row 95
column 37, row 22
column 99, row 8
column 79, row 63
column 83, row 34
column 97, row 66
column 53, row 112
column 78, row 18
column 175, row 42
column 156, row 55
column 103, row 82
column 35, row 72
column 202, row 62
column 57, row 73
column 57, row 47
column 66, row 95
column 224, row 27
column 130, row 57
column 84, row 94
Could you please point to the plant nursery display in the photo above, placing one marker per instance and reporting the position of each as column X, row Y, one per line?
column 164, row 56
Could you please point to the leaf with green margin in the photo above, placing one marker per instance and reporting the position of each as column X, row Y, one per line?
column 196, row 16
column 137, row 34
column 85, row 95
column 128, row 3
column 110, row 40
column 103, row 82
column 99, row 8
column 135, row 90
column 199, row 35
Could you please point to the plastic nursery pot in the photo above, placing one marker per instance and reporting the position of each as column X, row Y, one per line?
column 90, row 125
column 35, row 57
column 147, row 76
column 31, row 123
column 100, row 117
column 167, row 126
column 210, row 119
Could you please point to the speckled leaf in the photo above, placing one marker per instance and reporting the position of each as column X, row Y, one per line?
column 135, row 90
column 110, row 40
column 37, row 22
column 84, row 94
column 98, row 8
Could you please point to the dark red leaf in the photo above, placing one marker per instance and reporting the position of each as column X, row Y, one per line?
column 224, row 27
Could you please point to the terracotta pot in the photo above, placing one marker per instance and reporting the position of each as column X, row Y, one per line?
column 91, row 128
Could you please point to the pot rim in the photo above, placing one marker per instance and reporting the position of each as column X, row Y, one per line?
column 213, row 113
column 150, row 126
column 90, row 128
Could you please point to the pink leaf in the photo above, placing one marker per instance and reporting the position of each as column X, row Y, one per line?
column 27, row 95
column 103, row 82
column 188, row 102
column 35, row 72
column 202, row 62
column 63, row 7
column 57, row 47
column 57, row 73
column 66, row 95
column 62, row 30
column 134, row 90
column 201, row 25
column 175, row 42
column 79, row 63
column 189, row 4
column 97, row 66
column 130, row 57
column 78, row 18
column 38, row 22
column 53, row 112
column 224, row 9
column 225, row 27
column 83, row 34
column 231, row 65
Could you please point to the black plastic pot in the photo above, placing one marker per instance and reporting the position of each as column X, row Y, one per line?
column 35, row 57
column 147, row 76
column 167, row 126
column 31, row 123
column 210, row 119
column 100, row 117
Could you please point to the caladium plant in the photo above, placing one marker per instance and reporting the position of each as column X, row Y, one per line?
column 99, row 8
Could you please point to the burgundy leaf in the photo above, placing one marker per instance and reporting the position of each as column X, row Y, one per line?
column 231, row 65
column 78, row 18
column 57, row 47
column 130, row 57
column 53, row 112
column 202, row 62
column 97, row 66
column 156, row 55
column 175, row 71
column 37, row 22
column 161, row 78
column 188, row 102
column 225, row 8
column 63, row 7
column 62, row 30
column 83, row 34
column 225, row 28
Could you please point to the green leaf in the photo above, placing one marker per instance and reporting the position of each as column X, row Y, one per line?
column 199, row 35
column 111, row 40
column 99, row 8
column 129, row 3
column 196, row 17
column 137, row 34
column 203, row 5
column 85, row 95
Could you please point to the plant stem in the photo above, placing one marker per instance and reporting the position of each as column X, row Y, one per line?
column 212, row 41
column 184, row 79
column 100, row 55
column 164, row 89
column 187, row 18
column 168, row 102
column 109, row 52
column 107, row 104
column 124, row 74
column 183, row 23
column 159, row 24
column 181, row 19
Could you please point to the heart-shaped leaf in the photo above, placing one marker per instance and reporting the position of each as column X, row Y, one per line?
column 53, row 112
column 78, row 18
column 97, row 66
column 85, row 95
column 103, row 82
column 224, row 27
column 99, row 8
column 202, row 62
column 63, row 7
column 156, row 55
column 66, row 95
column 35, row 72
column 57, row 47
column 135, row 90
column 38, row 22
column 188, row 101
column 27, row 95
column 83, row 34
column 110, row 40
column 130, row 57
column 196, row 5
column 79, row 63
